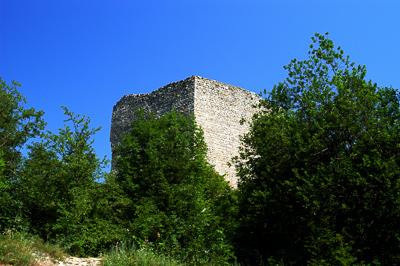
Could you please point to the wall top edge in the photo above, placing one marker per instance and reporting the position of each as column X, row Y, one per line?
column 192, row 79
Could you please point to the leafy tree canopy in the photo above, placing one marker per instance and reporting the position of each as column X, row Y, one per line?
column 58, row 185
column 179, row 204
column 319, row 172
column 17, row 125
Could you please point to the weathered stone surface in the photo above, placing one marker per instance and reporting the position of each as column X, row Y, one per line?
column 217, row 107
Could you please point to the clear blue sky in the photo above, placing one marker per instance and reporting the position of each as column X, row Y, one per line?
column 86, row 54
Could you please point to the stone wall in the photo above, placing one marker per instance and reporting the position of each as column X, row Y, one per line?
column 218, row 109
column 177, row 95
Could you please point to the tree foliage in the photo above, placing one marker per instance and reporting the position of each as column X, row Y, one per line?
column 60, row 192
column 17, row 125
column 319, row 172
column 179, row 204
column 164, row 193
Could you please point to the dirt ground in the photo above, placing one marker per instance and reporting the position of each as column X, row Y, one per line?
column 70, row 261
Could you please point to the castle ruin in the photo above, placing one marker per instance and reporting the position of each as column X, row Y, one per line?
column 218, row 109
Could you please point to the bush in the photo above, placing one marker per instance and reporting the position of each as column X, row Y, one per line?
column 178, row 204
column 60, row 193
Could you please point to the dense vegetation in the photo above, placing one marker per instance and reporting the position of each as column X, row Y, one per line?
column 163, row 195
column 319, row 179
column 319, row 172
column 177, row 202
column 17, row 126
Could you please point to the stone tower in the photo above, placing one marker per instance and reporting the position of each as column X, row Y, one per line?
column 218, row 109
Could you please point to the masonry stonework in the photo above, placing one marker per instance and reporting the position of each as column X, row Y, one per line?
column 218, row 109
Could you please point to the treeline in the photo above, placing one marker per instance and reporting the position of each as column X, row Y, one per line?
column 319, row 177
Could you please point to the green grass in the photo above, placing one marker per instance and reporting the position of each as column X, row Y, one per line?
column 125, row 255
column 129, row 256
column 22, row 249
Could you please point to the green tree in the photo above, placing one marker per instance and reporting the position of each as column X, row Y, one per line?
column 60, row 191
column 18, row 124
column 319, row 170
column 178, row 203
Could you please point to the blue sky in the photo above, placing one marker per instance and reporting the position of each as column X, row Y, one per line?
column 87, row 54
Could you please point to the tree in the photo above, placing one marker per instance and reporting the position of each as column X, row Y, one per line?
column 17, row 125
column 60, row 192
column 319, row 170
column 178, row 203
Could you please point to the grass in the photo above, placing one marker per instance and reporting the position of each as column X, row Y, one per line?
column 129, row 256
column 25, row 250
column 22, row 249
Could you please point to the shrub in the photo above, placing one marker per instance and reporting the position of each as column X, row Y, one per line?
column 178, row 203
column 60, row 193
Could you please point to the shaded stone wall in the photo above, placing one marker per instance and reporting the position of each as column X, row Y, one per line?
column 218, row 109
column 178, row 96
